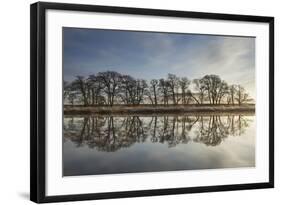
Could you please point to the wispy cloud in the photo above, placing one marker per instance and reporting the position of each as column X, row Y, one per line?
column 153, row 55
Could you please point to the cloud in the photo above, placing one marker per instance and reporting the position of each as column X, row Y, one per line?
column 153, row 55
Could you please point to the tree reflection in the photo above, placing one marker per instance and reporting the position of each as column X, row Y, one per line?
column 108, row 133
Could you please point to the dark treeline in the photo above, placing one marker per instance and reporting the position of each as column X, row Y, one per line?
column 112, row 88
column 113, row 133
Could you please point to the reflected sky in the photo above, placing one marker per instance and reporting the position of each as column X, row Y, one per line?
column 124, row 144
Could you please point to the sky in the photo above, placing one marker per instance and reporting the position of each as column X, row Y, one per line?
column 149, row 55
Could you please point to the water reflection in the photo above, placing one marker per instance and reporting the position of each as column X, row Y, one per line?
column 108, row 133
column 126, row 144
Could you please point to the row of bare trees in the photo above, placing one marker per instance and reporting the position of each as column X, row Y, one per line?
column 112, row 88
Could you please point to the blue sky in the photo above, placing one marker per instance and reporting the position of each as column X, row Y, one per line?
column 150, row 55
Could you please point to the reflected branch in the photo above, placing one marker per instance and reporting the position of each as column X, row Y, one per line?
column 110, row 134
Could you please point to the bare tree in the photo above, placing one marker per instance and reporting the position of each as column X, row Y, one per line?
column 140, row 89
column 110, row 80
column 200, row 88
column 222, row 91
column 164, row 90
column 112, row 88
column 149, row 94
column 126, row 89
column 231, row 94
column 132, row 91
column 153, row 86
column 80, row 84
column 96, row 87
column 184, row 84
column 242, row 96
column 173, row 83
column 215, row 88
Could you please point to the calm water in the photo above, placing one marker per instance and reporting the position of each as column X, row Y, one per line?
column 107, row 145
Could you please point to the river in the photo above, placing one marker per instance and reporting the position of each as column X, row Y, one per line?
column 128, row 144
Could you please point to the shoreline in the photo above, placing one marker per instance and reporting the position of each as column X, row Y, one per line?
column 160, row 109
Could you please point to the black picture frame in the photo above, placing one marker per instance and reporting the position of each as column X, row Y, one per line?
column 38, row 101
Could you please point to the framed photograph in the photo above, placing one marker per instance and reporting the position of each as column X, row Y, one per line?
column 129, row 102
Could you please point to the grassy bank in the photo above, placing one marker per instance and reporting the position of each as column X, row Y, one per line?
column 159, row 109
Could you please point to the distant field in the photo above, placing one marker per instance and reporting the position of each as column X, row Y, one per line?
column 159, row 109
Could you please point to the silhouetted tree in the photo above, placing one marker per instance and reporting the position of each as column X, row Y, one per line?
column 173, row 84
column 184, row 84
column 222, row 91
column 110, row 80
column 127, row 89
column 214, row 87
column 242, row 96
column 95, row 86
column 112, row 88
column 80, row 85
column 164, row 90
column 153, row 88
column 231, row 93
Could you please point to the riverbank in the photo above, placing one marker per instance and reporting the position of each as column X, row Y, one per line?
column 159, row 109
